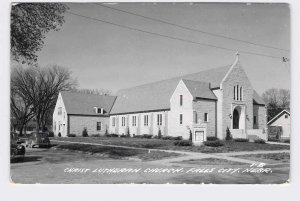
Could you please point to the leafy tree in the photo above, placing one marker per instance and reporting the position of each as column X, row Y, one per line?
column 29, row 24
column 276, row 101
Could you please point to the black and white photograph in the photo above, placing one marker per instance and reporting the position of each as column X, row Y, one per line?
column 150, row 93
column 193, row 93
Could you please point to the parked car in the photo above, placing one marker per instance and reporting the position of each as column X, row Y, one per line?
column 17, row 151
column 38, row 139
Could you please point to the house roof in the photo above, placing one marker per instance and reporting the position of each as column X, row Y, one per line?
column 156, row 96
column 83, row 104
column 199, row 89
column 278, row 116
column 257, row 99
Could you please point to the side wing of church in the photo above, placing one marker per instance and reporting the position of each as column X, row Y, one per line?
column 211, row 100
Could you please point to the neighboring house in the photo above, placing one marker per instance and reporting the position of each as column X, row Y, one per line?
column 75, row 111
column 206, row 102
column 283, row 120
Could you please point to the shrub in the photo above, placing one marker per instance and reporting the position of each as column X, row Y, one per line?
column 59, row 134
column 51, row 134
column 228, row 134
column 273, row 139
column 183, row 143
column 128, row 131
column 216, row 143
column 241, row 140
column 148, row 136
column 112, row 135
column 260, row 141
column 95, row 135
column 191, row 136
column 159, row 133
column 286, row 141
column 171, row 138
column 138, row 136
column 71, row 135
column 155, row 137
column 212, row 138
column 177, row 138
column 85, row 133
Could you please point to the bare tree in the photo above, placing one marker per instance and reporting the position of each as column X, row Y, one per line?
column 39, row 87
column 21, row 110
column 277, row 100
column 94, row 91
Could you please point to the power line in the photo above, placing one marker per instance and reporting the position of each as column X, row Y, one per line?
column 171, row 37
column 192, row 29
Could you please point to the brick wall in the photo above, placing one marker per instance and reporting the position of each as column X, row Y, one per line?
column 77, row 124
column 236, row 76
column 261, row 115
column 209, row 107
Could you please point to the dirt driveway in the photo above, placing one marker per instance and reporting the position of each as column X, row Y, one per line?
column 57, row 166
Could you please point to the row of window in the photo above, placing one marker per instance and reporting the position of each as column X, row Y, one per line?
column 159, row 119
column 134, row 121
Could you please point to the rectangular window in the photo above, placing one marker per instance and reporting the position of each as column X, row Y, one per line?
column 181, row 100
column 195, row 117
column 241, row 94
column 123, row 121
column 59, row 111
column 145, row 120
column 99, row 126
column 114, row 121
column 159, row 119
column 237, row 92
column 205, row 117
column 234, row 93
column 180, row 119
column 254, row 120
column 133, row 120
column 55, row 126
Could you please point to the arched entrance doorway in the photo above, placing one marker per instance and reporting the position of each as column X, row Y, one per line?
column 236, row 119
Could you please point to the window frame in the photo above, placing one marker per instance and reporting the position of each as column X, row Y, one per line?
column 180, row 119
column 159, row 119
column 146, row 120
column 205, row 117
column 180, row 100
column 99, row 126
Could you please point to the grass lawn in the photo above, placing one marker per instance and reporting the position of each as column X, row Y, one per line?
column 229, row 146
column 268, row 158
column 211, row 161
column 117, row 153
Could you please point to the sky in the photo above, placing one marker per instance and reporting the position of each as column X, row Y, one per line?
column 104, row 56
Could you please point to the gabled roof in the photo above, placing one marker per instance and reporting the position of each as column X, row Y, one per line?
column 83, row 104
column 279, row 115
column 156, row 96
column 257, row 99
column 199, row 89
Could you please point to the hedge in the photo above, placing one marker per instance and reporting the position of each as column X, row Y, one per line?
column 213, row 143
column 183, row 143
column 212, row 138
column 241, row 140
column 260, row 141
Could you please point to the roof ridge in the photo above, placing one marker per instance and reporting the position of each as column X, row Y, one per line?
column 76, row 92
column 173, row 78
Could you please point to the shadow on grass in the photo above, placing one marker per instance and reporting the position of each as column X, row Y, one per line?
column 26, row 159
